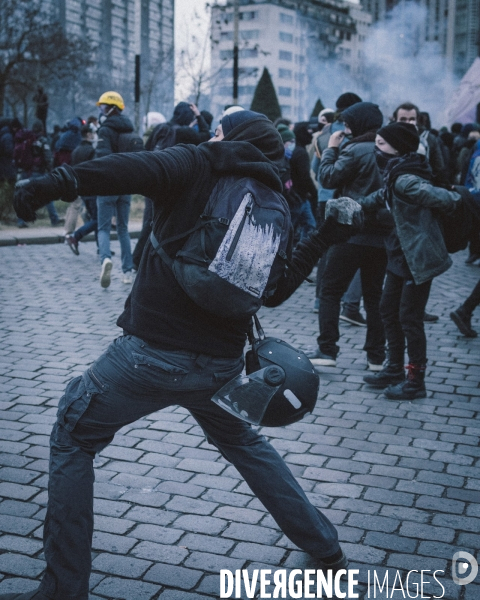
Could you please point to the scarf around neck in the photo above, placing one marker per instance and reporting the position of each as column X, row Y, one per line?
column 408, row 164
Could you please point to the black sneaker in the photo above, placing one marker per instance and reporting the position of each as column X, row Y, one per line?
column 355, row 318
column 428, row 318
column 72, row 242
column 463, row 322
column 319, row 359
column 335, row 565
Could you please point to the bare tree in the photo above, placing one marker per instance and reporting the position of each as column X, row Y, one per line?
column 194, row 60
column 34, row 49
column 158, row 85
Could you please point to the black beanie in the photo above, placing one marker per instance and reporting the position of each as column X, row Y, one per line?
column 231, row 121
column 402, row 136
column 346, row 100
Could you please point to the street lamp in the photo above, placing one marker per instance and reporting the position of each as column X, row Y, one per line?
column 138, row 51
column 235, row 50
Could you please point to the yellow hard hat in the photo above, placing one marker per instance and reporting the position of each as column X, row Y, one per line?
column 112, row 99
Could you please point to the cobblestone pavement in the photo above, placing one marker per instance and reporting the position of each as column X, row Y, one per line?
column 400, row 480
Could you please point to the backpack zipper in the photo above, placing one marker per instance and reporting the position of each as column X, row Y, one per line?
column 238, row 233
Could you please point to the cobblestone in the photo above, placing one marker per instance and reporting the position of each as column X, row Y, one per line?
column 400, row 480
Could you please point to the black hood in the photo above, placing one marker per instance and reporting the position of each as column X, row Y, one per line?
column 182, row 115
column 118, row 123
column 362, row 117
column 261, row 133
column 303, row 133
column 242, row 159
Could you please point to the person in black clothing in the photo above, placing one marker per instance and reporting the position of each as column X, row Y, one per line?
column 352, row 171
column 85, row 151
column 300, row 165
column 187, row 126
column 172, row 352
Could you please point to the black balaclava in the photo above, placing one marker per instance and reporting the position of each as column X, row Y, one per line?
column 362, row 117
column 182, row 115
column 249, row 126
column 302, row 133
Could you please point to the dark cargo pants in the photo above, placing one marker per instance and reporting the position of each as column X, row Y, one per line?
column 132, row 380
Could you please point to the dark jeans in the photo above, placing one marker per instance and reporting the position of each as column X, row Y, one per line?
column 473, row 300
column 132, row 380
column 402, row 308
column 89, row 226
column 343, row 261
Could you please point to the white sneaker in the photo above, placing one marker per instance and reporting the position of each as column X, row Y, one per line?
column 127, row 277
column 105, row 272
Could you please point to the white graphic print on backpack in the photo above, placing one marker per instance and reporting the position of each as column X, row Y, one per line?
column 234, row 256
column 247, row 251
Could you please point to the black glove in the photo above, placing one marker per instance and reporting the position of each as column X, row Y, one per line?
column 32, row 194
column 332, row 232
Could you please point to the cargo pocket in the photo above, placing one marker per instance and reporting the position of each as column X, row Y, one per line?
column 76, row 399
column 158, row 371
column 224, row 375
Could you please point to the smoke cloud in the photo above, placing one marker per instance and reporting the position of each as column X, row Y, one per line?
column 398, row 66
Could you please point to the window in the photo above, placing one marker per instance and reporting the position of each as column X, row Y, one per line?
column 286, row 37
column 285, row 108
column 251, row 34
column 248, row 71
column 284, row 73
column 282, row 55
column 284, row 91
column 247, row 53
column 245, row 90
column 286, row 19
column 226, row 54
column 248, row 15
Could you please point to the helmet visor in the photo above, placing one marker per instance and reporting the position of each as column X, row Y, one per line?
column 248, row 396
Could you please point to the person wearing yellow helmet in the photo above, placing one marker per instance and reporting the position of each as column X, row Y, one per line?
column 113, row 127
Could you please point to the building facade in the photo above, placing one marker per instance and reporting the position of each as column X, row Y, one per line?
column 110, row 26
column 289, row 38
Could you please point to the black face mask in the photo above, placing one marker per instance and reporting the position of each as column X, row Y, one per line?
column 382, row 158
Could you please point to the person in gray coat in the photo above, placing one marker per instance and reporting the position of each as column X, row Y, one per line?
column 416, row 254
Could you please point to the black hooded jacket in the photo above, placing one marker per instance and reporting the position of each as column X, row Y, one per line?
column 179, row 181
column 352, row 170
column 300, row 164
column 108, row 134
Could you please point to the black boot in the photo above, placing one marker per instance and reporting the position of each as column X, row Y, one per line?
column 391, row 374
column 412, row 388
column 463, row 321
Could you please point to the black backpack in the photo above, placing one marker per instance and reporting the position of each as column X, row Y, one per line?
column 236, row 253
column 163, row 136
column 130, row 142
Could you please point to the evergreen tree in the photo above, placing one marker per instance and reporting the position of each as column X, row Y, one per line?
column 317, row 108
column 265, row 99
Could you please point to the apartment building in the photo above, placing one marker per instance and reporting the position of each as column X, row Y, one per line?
column 110, row 25
column 285, row 37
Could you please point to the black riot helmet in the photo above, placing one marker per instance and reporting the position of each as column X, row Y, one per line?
column 279, row 388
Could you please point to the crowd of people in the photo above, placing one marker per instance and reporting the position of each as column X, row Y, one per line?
column 405, row 175
column 176, row 350
column 338, row 153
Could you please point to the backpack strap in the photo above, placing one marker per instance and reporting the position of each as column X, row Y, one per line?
column 202, row 223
